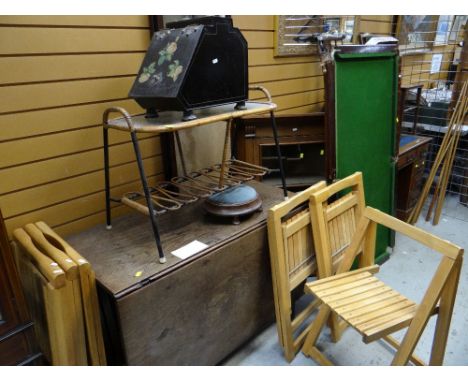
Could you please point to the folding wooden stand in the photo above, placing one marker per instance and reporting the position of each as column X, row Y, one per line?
column 61, row 293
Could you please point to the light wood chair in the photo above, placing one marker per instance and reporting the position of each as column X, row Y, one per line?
column 338, row 219
column 368, row 305
column 292, row 260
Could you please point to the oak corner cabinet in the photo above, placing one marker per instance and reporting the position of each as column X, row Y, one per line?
column 17, row 342
column 195, row 311
column 302, row 143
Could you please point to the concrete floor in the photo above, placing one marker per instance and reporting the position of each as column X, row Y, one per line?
column 409, row 271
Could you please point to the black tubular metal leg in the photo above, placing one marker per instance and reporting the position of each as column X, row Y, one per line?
column 105, row 133
column 154, row 225
column 278, row 152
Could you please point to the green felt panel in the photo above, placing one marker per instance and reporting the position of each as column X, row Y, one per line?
column 366, row 99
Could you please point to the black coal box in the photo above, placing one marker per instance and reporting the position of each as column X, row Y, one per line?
column 193, row 64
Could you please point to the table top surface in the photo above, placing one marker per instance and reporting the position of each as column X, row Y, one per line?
column 125, row 258
column 410, row 142
column 171, row 120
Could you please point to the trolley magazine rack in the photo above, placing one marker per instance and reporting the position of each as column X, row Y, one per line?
column 181, row 190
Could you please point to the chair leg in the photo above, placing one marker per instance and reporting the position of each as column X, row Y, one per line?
column 319, row 357
column 447, row 300
column 424, row 311
column 309, row 349
column 396, row 345
column 337, row 327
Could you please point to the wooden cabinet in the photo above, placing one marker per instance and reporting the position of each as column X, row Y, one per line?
column 194, row 311
column 410, row 171
column 17, row 344
column 302, row 142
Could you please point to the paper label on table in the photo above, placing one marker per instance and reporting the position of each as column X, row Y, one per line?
column 190, row 249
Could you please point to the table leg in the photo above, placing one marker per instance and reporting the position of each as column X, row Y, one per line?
column 154, row 225
column 105, row 133
column 278, row 153
column 225, row 152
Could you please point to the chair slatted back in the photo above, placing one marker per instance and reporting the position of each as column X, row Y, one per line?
column 334, row 224
column 298, row 248
column 292, row 258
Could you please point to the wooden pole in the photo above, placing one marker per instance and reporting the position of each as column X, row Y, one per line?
column 444, row 148
column 450, row 160
column 225, row 152
column 447, row 155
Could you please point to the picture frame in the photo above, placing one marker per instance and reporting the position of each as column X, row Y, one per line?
column 292, row 32
column 284, row 45
column 415, row 33
column 458, row 24
column 444, row 27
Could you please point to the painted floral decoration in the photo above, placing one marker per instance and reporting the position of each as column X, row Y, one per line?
column 166, row 53
column 174, row 70
column 155, row 79
column 147, row 72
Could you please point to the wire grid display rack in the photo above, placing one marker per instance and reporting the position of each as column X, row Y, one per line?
column 434, row 59
column 439, row 69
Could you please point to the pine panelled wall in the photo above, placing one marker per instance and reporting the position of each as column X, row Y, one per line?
column 59, row 73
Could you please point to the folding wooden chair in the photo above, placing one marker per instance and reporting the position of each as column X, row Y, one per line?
column 292, row 262
column 374, row 309
column 292, row 259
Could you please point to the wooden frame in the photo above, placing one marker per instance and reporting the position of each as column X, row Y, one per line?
column 367, row 304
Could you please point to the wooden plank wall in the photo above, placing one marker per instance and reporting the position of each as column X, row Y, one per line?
column 58, row 74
